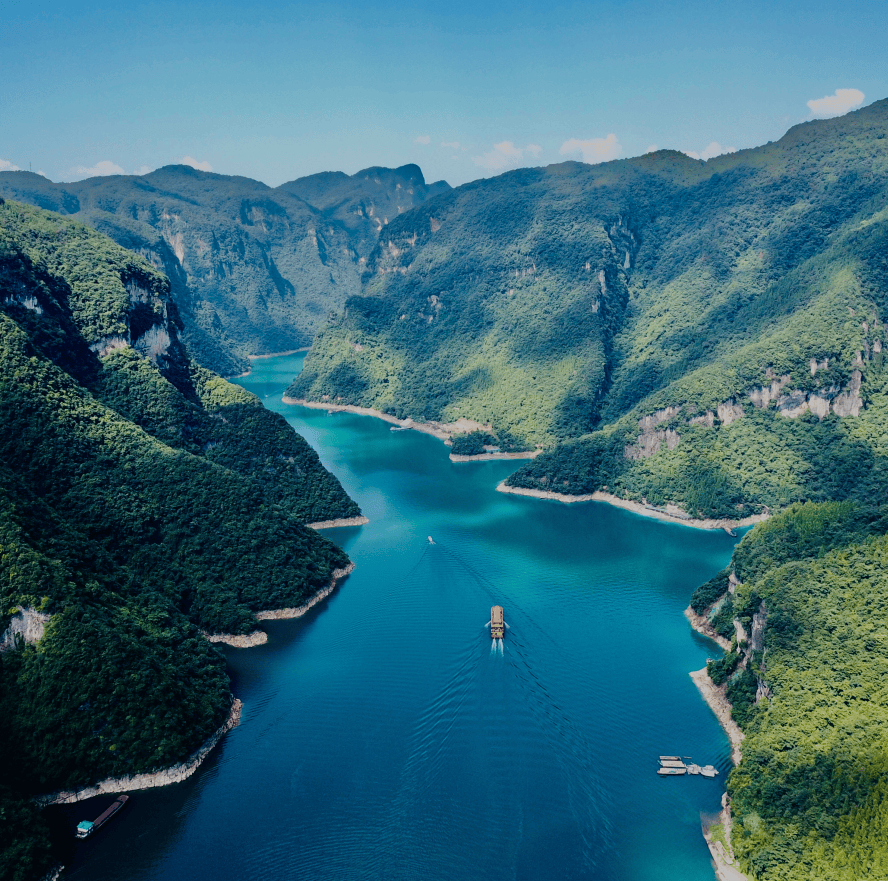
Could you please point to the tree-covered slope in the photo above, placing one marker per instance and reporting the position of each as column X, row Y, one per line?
column 142, row 498
column 254, row 269
column 809, row 797
column 665, row 327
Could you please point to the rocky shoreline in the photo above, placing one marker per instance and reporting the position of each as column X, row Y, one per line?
column 490, row 457
column 442, row 430
column 636, row 508
column 175, row 774
column 342, row 521
column 238, row 640
column 299, row 611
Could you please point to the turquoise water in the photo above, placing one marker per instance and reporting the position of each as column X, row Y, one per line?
column 383, row 737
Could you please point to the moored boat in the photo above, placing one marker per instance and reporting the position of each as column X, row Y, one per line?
column 87, row 827
column 672, row 772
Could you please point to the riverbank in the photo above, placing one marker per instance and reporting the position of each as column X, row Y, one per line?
column 676, row 515
column 175, row 774
column 269, row 355
column 238, row 640
column 490, row 457
column 342, row 521
column 714, row 695
column 299, row 611
column 442, row 430
column 718, row 839
column 701, row 624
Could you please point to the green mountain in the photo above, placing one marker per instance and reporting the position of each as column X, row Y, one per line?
column 142, row 498
column 253, row 269
column 365, row 202
column 703, row 333
column 807, row 680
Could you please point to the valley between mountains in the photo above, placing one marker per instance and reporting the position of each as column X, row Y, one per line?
column 706, row 338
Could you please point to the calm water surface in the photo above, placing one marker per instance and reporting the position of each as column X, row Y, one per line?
column 384, row 738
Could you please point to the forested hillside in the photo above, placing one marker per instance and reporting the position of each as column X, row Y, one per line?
column 703, row 333
column 254, row 269
column 142, row 498
column 809, row 685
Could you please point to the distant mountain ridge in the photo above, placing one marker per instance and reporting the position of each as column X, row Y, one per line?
column 254, row 269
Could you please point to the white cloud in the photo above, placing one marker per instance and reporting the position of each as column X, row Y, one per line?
column 423, row 139
column 100, row 169
column 6, row 165
column 143, row 169
column 710, row 152
column 505, row 155
column 453, row 144
column 652, row 149
column 835, row 105
column 194, row 163
column 594, row 150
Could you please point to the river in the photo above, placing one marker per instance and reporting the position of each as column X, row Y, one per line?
column 383, row 737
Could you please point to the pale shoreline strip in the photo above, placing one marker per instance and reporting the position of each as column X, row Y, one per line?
column 714, row 695
column 299, row 611
column 238, row 640
column 175, row 774
column 635, row 507
column 701, row 624
column 278, row 354
column 723, row 859
column 490, row 457
column 342, row 521
column 249, row 370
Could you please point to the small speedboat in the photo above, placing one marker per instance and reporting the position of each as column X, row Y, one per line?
column 709, row 771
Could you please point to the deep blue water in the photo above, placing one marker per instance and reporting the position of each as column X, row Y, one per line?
column 383, row 738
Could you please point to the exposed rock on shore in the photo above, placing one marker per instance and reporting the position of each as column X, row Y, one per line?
column 238, row 640
column 174, row 774
column 299, row 611
column 670, row 513
column 342, row 521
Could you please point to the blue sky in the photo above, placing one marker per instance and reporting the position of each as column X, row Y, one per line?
column 275, row 91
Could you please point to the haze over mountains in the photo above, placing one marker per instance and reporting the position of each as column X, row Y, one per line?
column 253, row 269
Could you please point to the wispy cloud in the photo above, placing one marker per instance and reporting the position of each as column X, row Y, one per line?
column 100, row 169
column 505, row 155
column 196, row 163
column 423, row 139
column 710, row 152
column 452, row 144
column 652, row 149
column 836, row 104
column 593, row 150
column 6, row 165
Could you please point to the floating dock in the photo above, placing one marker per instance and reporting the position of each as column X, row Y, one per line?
column 674, row 766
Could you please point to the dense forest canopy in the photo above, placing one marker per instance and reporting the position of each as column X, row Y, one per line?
column 809, row 797
column 142, row 499
column 253, row 269
column 670, row 329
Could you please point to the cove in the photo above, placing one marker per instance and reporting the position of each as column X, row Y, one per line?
column 383, row 738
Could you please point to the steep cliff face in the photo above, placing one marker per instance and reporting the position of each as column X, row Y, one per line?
column 253, row 269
